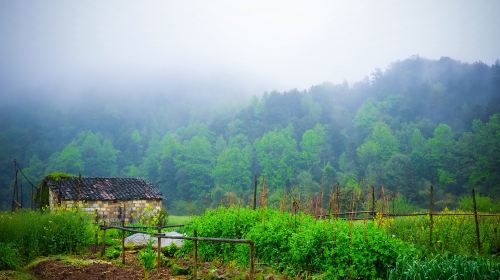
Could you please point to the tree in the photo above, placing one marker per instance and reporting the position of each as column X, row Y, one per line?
column 232, row 171
column 276, row 153
column 313, row 145
column 483, row 151
column 400, row 176
column 69, row 160
column 194, row 163
column 441, row 155
column 376, row 150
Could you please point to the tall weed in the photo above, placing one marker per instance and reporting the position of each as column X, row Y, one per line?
column 36, row 233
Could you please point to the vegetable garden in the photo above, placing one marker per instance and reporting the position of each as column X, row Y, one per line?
column 302, row 240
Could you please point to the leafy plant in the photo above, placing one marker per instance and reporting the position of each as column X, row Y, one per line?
column 299, row 244
column 9, row 257
column 147, row 257
column 113, row 253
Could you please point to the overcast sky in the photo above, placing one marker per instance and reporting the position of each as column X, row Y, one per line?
column 245, row 46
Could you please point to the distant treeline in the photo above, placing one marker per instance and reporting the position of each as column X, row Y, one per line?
column 420, row 122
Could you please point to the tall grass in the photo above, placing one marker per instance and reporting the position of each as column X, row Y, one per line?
column 36, row 233
column 451, row 234
column 446, row 267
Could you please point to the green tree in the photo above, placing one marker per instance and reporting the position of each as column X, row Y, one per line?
column 276, row 153
column 441, row 155
column 313, row 145
column 69, row 160
column 194, row 163
column 379, row 146
column 232, row 169
column 483, row 152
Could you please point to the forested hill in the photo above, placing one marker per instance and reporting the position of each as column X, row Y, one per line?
column 420, row 122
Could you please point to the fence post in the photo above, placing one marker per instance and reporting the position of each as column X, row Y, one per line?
column 373, row 201
column 252, row 261
column 158, row 248
column 123, row 236
column 254, row 192
column 495, row 237
column 431, row 206
column 96, row 231
column 195, row 267
column 478, row 239
column 103, row 245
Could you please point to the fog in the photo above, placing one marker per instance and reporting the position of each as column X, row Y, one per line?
column 224, row 48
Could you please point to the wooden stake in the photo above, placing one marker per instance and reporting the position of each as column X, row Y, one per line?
column 254, row 192
column 96, row 231
column 103, row 245
column 123, row 239
column 431, row 206
column 373, row 201
column 195, row 247
column 158, row 248
column 252, row 261
column 478, row 238
column 263, row 197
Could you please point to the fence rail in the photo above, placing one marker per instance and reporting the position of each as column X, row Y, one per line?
column 160, row 235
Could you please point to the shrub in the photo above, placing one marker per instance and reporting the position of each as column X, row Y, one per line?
column 9, row 257
column 483, row 204
column 220, row 223
column 36, row 233
column 299, row 243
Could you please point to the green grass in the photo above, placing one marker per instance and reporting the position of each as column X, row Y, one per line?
column 451, row 234
column 27, row 234
column 178, row 220
column 15, row 275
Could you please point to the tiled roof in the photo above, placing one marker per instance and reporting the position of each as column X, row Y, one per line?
column 103, row 189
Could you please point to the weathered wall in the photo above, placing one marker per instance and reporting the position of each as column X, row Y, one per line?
column 110, row 210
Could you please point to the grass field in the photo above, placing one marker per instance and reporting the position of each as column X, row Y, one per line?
column 178, row 220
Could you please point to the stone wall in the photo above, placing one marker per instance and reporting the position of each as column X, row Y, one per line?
column 110, row 210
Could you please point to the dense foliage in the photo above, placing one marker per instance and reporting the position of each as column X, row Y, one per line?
column 418, row 123
column 299, row 244
column 25, row 235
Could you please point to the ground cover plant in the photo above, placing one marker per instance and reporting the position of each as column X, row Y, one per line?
column 25, row 235
column 300, row 244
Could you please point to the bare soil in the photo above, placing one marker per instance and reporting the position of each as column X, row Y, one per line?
column 59, row 270
column 99, row 269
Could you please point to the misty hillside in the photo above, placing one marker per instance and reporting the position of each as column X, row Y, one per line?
column 419, row 122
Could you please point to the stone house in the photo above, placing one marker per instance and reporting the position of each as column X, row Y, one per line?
column 109, row 196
